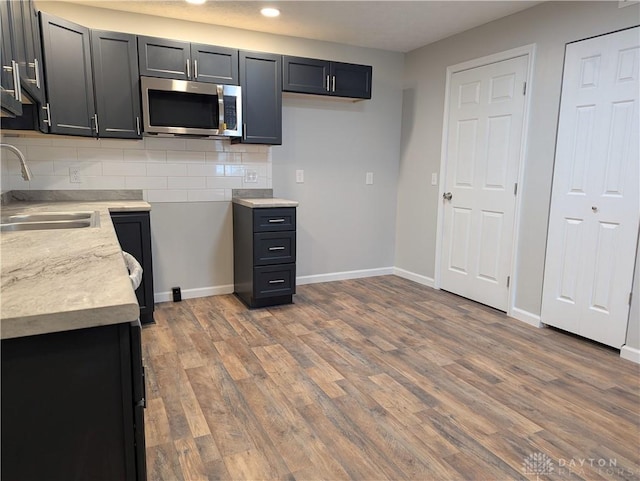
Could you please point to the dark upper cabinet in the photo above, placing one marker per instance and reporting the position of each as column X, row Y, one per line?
column 214, row 64
column 161, row 57
column 29, row 51
column 117, row 84
column 9, row 83
column 261, row 81
column 313, row 76
column 134, row 234
column 69, row 86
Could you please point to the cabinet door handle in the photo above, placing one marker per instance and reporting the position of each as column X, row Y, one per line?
column 328, row 90
column 15, row 71
column 138, row 125
column 188, row 68
column 275, row 221
column 277, row 281
column 48, row 119
column 277, row 248
column 244, row 131
column 333, row 84
column 36, row 79
column 195, row 69
column 95, row 119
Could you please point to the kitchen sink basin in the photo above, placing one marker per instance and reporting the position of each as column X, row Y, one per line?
column 49, row 221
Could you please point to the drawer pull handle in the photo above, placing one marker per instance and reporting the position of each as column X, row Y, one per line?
column 275, row 221
column 277, row 281
column 277, row 248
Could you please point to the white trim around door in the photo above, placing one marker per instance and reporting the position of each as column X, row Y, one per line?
column 529, row 51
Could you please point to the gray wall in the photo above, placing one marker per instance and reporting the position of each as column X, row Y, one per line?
column 343, row 225
column 550, row 26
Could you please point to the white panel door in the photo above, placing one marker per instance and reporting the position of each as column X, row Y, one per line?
column 485, row 120
column 593, row 221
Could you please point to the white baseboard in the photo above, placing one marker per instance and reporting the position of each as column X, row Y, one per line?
column 193, row 293
column 630, row 354
column 341, row 276
column 526, row 316
column 412, row 276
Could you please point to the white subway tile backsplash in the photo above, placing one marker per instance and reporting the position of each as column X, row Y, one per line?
column 167, row 195
column 205, row 170
column 186, row 182
column 185, row 156
column 206, row 145
column 133, row 144
column 140, row 182
column 42, row 152
column 164, row 143
column 102, row 182
column 86, row 153
column 124, row 168
column 233, row 170
column 145, row 155
column 166, row 169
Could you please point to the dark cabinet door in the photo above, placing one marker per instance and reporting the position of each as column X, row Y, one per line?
column 9, row 98
column 350, row 80
column 67, row 406
column 261, row 82
column 134, row 234
column 28, row 51
column 67, row 66
column 116, row 80
column 305, row 75
column 161, row 57
column 213, row 64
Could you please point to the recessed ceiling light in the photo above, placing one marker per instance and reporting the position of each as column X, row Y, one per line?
column 196, row 2
column 270, row 12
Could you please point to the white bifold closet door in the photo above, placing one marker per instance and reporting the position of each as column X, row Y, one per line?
column 595, row 206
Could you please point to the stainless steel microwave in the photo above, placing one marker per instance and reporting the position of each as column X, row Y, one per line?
column 182, row 107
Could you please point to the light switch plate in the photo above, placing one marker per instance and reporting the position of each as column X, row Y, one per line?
column 250, row 176
column 434, row 179
column 299, row 176
column 368, row 178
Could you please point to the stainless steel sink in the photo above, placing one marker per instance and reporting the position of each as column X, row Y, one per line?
column 49, row 220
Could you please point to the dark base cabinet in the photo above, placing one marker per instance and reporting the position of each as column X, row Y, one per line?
column 134, row 234
column 264, row 255
column 72, row 406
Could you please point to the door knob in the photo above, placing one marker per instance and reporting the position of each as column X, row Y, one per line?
column 594, row 208
column 447, row 196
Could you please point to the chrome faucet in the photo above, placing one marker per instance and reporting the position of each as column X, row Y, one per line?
column 26, row 172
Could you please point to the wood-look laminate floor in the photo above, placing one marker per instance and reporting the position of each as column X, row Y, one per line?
column 381, row 378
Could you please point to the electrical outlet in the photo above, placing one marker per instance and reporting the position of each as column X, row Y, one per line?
column 299, row 176
column 434, row 179
column 74, row 175
column 177, row 294
column 250, row 176
column 368, row 178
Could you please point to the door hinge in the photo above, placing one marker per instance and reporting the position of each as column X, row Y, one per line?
column 508, row 280
column 630, row 296
column 515, row 189
column 524, row 88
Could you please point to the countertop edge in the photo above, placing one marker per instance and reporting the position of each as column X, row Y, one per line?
column 262, row 203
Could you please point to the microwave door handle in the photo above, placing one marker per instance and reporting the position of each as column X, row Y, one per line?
column 221, row 125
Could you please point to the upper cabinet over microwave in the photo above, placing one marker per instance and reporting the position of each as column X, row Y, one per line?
column 161, row 57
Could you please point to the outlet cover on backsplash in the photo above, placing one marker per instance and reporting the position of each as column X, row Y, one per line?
column 165, row 169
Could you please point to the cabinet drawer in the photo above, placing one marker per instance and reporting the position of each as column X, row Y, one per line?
column 274, row 248
column 278, row 218
column 272, row 281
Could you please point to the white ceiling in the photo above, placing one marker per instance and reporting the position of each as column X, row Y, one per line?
column 398, row 26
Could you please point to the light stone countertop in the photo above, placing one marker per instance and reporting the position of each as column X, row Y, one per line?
column 265, row 203
column 64, row 279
